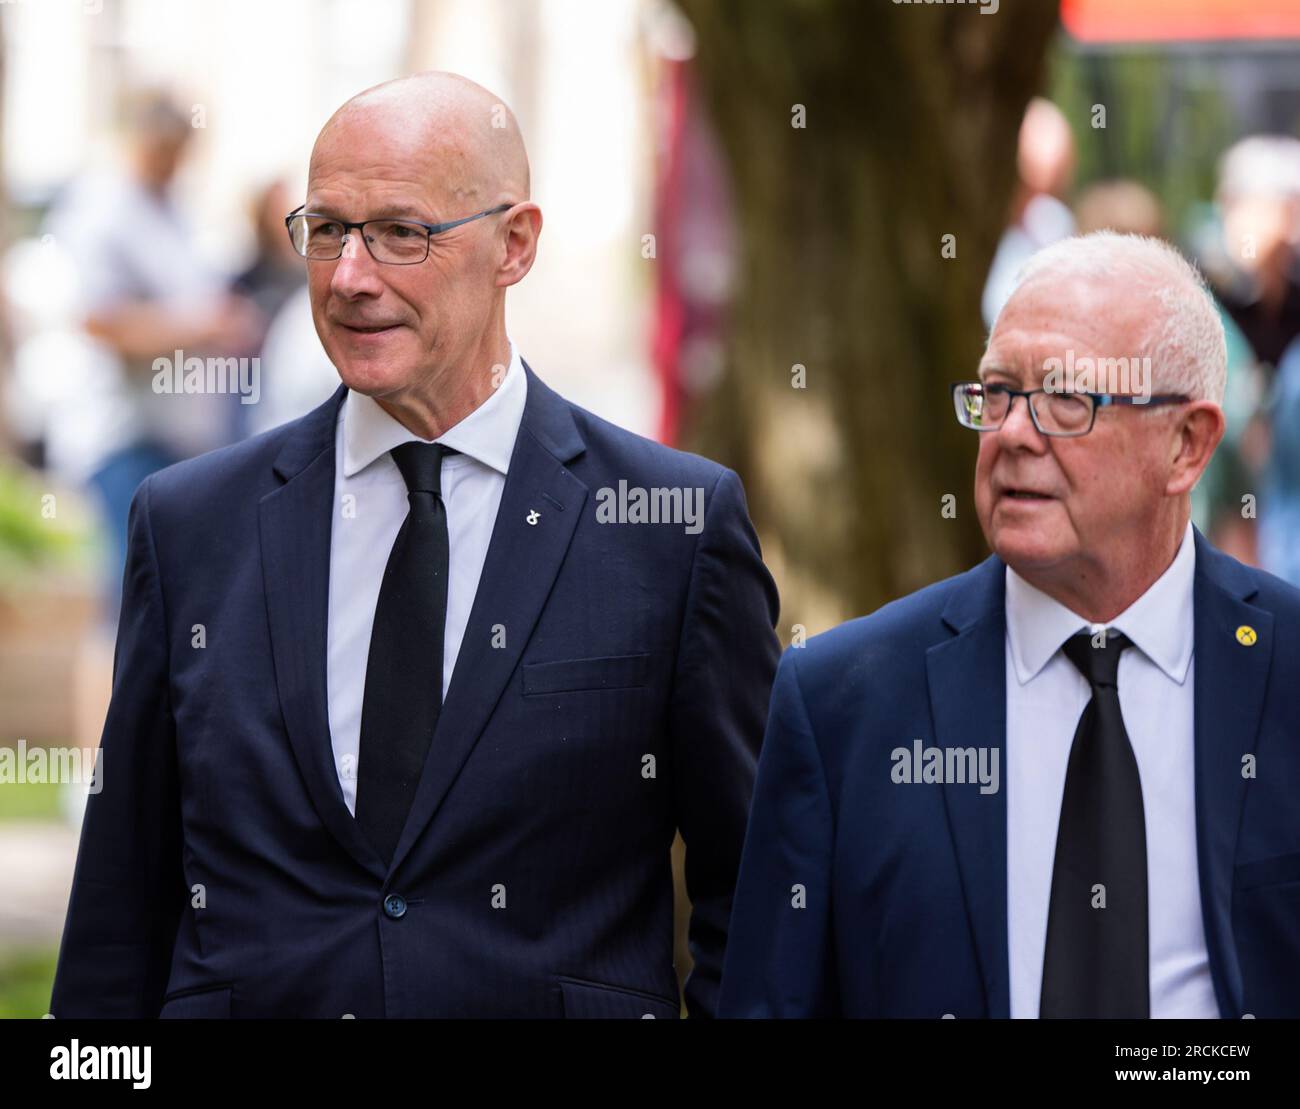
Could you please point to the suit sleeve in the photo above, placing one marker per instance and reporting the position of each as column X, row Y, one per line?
column 780, row 958
column 725, row 662
column 128, row 888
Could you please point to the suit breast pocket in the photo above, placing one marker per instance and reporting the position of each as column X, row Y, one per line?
column 576, row 675
column 1267, row 872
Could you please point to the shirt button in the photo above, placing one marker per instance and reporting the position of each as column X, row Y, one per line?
column 395, row 906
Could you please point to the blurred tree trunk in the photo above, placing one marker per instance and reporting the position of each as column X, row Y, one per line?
column 912, row 114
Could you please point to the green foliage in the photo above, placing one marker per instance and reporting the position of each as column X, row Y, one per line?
column 30, row 538
column 1167, row 121
column 26, row 977
column 30, row 801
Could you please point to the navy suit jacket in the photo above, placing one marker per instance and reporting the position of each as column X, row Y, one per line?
column 906, row 885
column 220, row 872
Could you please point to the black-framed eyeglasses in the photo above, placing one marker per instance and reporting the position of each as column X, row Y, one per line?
column 984, row 407
column 395, row 242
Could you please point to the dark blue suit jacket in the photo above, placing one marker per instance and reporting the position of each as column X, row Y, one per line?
column 220, row 872
column 906, row 885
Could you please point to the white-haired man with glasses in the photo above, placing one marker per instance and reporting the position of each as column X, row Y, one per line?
column 1063, row 783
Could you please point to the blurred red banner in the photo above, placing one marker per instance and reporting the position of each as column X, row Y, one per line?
column 1180, row 20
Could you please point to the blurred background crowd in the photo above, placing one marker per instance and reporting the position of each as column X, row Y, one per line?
column 703, row 239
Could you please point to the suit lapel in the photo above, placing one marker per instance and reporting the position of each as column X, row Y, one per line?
column 295, row 525
column 1229, row 699
column 967, row 680
column 539, row 511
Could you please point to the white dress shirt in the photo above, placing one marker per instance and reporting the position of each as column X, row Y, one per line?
column 1046, row 695
column 370, row 504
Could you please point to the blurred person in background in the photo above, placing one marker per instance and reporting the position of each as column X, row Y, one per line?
column 270, row 281
column 1257, row 276
column 143, row 293
column 1250, row 251
column 1045, row 161
column 1128, row 207
column 297, row 374
column 276, row 271
column 1279, row 516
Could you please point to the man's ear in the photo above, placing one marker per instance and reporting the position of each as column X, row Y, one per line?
column 1200, row 428
column 523, row 227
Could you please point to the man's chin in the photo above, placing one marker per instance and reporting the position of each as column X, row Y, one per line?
column 371, row 379
column 1028, row 548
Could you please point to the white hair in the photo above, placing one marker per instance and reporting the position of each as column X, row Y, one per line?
column 1185, row 341
column 1260, row 165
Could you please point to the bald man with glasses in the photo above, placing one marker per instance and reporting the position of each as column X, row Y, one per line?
column 402, row 725
column 1063, row 783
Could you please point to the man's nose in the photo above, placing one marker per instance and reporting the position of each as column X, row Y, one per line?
column 356, row 272
column 1018, row 430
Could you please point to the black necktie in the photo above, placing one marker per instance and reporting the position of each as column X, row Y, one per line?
column 404, row 673
column 1096, row 961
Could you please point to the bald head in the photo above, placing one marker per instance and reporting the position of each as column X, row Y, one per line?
column 463, row 137
column 422, row 333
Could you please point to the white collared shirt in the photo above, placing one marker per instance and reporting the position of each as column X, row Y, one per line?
column 370, row 503
column 1046, row 695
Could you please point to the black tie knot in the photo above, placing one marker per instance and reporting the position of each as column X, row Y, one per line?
column 1097, row 657
column 421, row 465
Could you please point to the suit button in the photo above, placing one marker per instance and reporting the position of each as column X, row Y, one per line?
column 395, row 906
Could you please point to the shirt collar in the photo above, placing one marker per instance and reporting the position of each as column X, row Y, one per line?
column 487, row 434
column 1159, row 623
